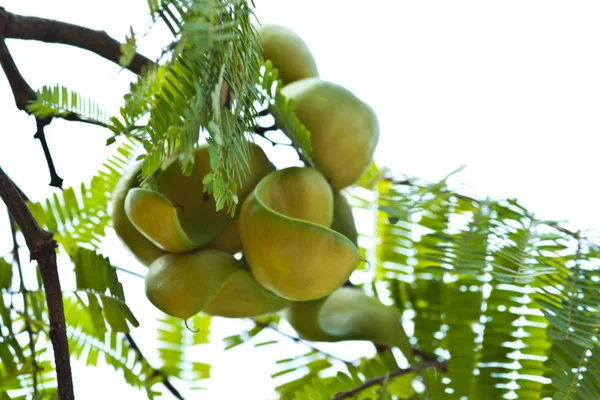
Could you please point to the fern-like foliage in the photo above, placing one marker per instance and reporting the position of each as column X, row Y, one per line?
column 97, row 279
column 208, row 84
column 79, row 217
column 299, row 371
column 382, row 364
column 508, row 299
column 87, row 342
column 59, row 101
column 176, row 343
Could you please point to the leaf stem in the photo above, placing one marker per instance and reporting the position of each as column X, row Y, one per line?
column 17, row 261
column 157, row 372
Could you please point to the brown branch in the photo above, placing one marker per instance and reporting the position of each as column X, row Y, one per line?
column 22, row 92
column 51, row 31
column 157, row 372
column 381, row 379
column 42, row 248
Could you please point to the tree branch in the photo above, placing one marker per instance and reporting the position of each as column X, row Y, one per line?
column 22, row 92
column 381, row 379
column 157, row 372
column 51, row 31
column 42, row 248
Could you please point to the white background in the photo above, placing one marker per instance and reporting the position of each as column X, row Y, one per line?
column 511, row 89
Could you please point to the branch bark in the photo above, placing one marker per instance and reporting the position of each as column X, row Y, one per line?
column 42, row 248
column 52, row 31
column 381, row 379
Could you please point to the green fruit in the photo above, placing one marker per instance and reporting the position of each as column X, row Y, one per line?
column 349, row 314
column 284, row 226
column 343, row 220
column 182, row 285
column 144, row 250
column 344, row 129
column 229, row 240
column 180, row 216
column 288, row 53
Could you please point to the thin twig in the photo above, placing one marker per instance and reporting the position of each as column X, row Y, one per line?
column 23, row 290
column 55, row 180
column 157, row 372
column 43, row 249
column 381, row 379
column 300, row 340
column 127, row 271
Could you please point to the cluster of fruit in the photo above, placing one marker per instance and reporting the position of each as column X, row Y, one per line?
column 293, row 226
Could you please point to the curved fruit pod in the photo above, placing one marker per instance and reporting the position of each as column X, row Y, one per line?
column 284, row 226
column 349, row 314
column 180, row 216
column 154, row 215
column 212, row 281
column 343, row 219
column 344, row 129
column 143, row 249
column 288, row 53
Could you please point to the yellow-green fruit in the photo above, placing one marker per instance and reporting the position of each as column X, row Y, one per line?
column 229, row 240
column 284, row 226
column 343, row 220
column 213, row 281
column 180, row 216
column 344, row 129
column 288, row 53
column 349, row 314
column 144, row 250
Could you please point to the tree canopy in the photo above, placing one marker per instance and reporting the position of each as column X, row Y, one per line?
column 496, row 302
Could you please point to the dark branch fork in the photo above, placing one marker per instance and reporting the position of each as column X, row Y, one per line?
column 14, row 26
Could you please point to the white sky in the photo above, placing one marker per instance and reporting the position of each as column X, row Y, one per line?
column 511, row 89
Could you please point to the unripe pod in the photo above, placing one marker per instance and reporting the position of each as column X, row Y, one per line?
column 284, row 226
column 180, row 216
column 288, row 53
column 349, row 314
column 344, row 129
column 143, row 249
column 343, row 219
column 212, row 281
